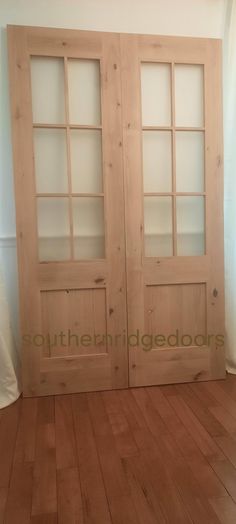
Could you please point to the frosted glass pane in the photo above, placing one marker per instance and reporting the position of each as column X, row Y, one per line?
column 190, row 225
column 84, row 92
column 189, row 97
column 53, row 228
column 158, row 226
column 50, row 157
column 157, row 162
column 190, row 161
column 86, row 161
column 47, row 83
column 156, row 94
column 88, row 219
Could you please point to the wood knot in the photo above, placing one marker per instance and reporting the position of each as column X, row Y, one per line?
column 198, row 375
column 99, row 280
column 17, row 113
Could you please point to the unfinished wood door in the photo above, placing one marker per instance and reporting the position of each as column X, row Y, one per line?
column 67, row 138
column 117, row 140
column 172, row 121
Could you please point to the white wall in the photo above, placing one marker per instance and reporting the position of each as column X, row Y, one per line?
column 200, row 18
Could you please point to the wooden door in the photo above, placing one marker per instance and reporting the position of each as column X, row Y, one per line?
column 67, row 142
column 172, row 121
column 84, row 187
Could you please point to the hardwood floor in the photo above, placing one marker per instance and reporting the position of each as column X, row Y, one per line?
column 141, row 456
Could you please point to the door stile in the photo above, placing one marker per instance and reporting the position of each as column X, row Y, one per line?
column 30, row 312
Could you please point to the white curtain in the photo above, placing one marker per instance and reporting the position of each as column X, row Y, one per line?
column 9, row 362
column 230, row 181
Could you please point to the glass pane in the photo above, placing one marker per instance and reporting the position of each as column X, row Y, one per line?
column 156, row 94
column 48, row 98
column 53, row 228
column 88, row 219
column 157, row 162
column 190, row 225
column 189, row 161
column 50, row 157
column 189, row 99
column 86, row 161
column 84, row 92
column 158, row 226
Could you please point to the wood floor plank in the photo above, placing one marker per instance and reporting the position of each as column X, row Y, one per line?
column 158, row 487
column 44, row 487
column 95, row 505
column 8, row 430
column 203, row 472
column 45, row 442
column 204, row 415
column 137, row 423
column 225, row 418
column 51, row 518
column 137, row 467
column 168, row 390
column 228, row 446
column 44, row 500
column 125, row 442
column 229, row 385
column 153, row 455
column 204, row 396
column 157, row 470
column 26, row 436
column 117, row 488
column 225, row 508
column 142, row 491
column 46, row 410
column 202, row 438
column 70, row 510
column 227, row 474
column 228, row 403
column 3, row 502
column 185, row 482
column 131, row 410
column 66, row 456
column 18, row 508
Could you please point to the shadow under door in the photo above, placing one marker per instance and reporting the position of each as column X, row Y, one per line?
column 118, row 185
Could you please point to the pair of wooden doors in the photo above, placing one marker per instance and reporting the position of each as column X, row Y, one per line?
column 117, row 143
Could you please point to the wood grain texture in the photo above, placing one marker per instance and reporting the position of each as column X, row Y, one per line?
column 124, row 289
column 139, row 455
column 149, row 278
column 61, row 296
